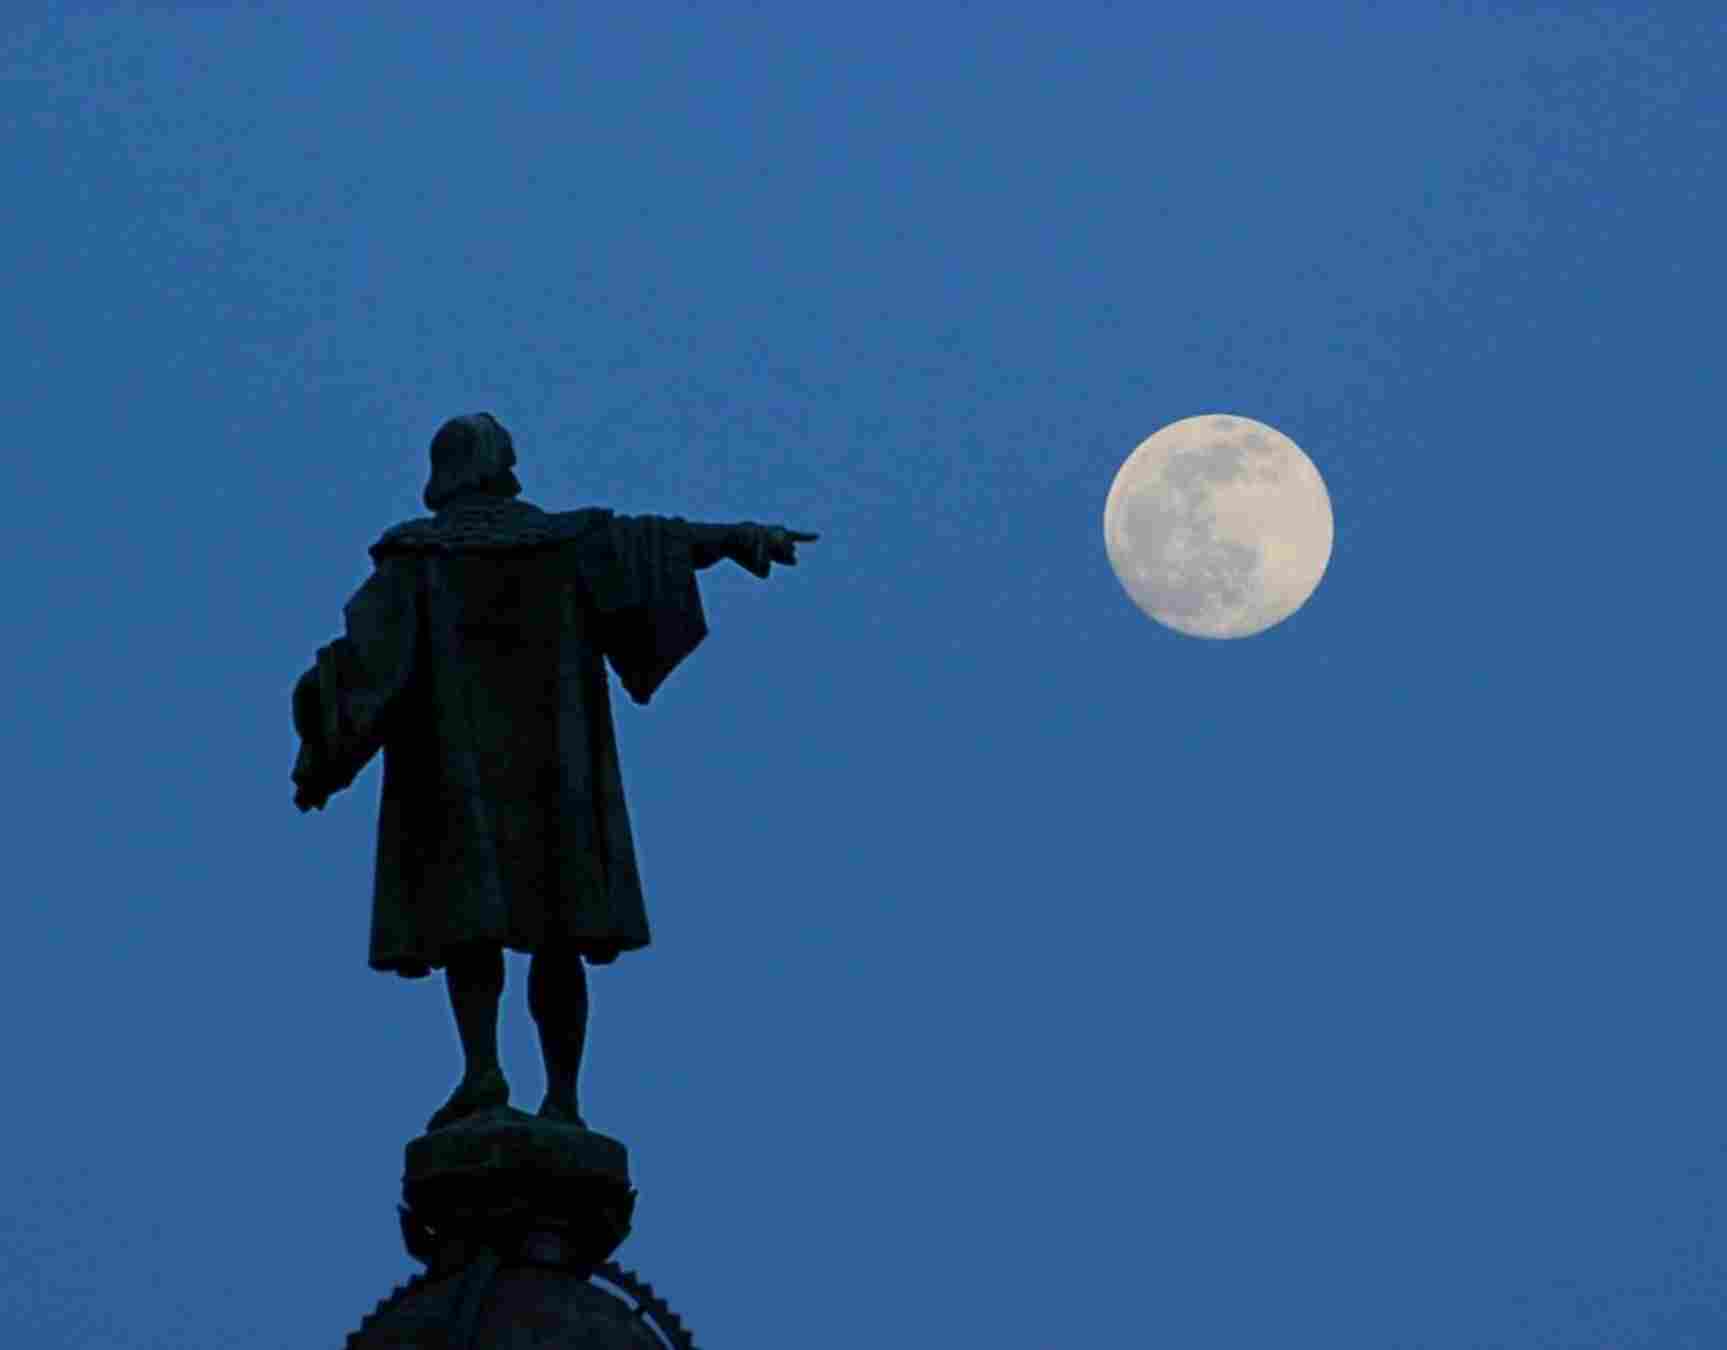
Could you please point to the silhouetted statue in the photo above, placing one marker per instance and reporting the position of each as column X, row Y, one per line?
column 474, row 657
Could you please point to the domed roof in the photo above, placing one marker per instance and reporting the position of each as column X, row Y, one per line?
column 521, row 1306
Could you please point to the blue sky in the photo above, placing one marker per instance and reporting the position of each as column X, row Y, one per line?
column 1025, row 973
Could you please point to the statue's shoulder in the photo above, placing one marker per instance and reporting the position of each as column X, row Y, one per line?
column 493, row 525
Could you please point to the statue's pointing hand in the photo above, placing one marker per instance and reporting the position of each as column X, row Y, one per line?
column 783, row 544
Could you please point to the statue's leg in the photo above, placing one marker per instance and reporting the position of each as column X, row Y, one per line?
column 558, row 1001
column 475, row 975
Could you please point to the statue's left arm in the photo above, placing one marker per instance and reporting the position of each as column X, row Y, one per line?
column 342, row 704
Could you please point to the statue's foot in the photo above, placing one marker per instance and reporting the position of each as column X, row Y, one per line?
column 563, row 1111
column 476, row 1092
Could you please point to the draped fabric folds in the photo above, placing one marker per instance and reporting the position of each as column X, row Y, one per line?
column 474, row 657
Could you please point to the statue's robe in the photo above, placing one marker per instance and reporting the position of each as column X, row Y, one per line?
column 474, row 656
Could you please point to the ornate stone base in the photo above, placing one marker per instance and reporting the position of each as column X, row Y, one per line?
column 523, row 1308
column 516, row 1189
column 514, row 1217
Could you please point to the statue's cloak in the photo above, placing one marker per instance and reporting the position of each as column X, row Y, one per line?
column 475, row 657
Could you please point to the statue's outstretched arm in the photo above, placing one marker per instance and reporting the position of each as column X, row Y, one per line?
column 752, row 547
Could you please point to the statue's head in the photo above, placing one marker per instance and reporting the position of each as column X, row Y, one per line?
column 471, row 454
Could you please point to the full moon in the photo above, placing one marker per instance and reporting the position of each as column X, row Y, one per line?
column 1218, row 526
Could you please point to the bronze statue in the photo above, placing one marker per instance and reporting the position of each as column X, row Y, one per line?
column 474, row 656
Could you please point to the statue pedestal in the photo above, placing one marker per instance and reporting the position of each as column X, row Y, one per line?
column 518, row 1189
column 514, row 1218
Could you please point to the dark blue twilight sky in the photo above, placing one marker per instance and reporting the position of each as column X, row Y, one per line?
column 1025, row 973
